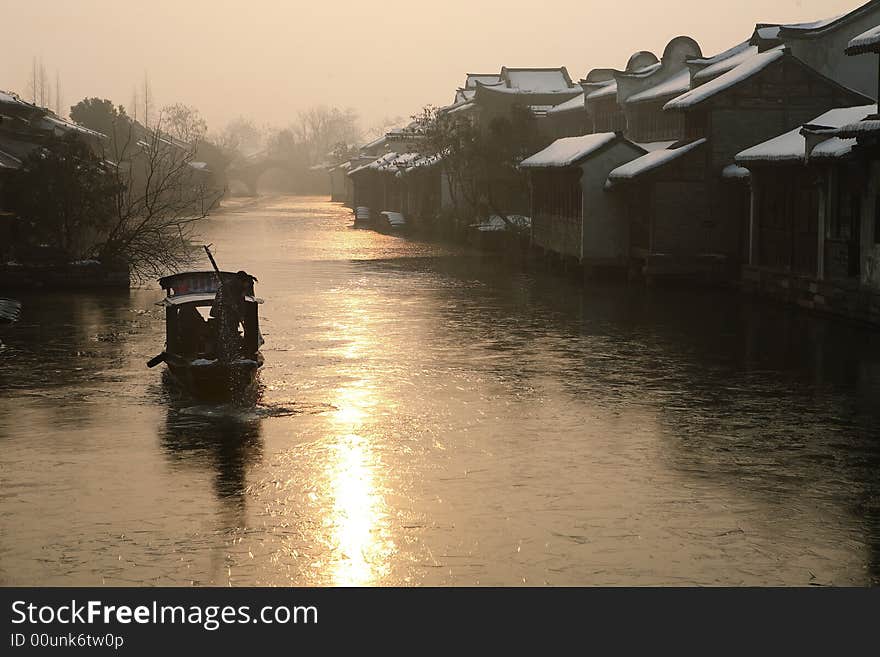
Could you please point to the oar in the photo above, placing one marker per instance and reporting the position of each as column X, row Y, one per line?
column 155, row 360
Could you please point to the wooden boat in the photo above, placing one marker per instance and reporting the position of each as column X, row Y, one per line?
column 212, row 333
column 10, row 309
column 391, row 222
column 361, row 217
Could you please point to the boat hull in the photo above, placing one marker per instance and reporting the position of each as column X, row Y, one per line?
column 213, row 380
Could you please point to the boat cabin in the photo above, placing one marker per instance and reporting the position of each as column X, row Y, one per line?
column 195, row 315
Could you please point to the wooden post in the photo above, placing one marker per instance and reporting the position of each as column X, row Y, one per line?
column 826, row 191
column 754, row 209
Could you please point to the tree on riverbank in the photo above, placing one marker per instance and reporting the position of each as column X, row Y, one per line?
column 65, row 197
column 163, row 191
column 134, row 198
column 480, row 162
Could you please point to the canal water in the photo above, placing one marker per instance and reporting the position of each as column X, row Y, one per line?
column 431, row 418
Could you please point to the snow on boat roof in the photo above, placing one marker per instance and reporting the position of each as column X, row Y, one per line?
column 868, row 41
column 673, row 86
column 791, row 146
column 576, row 103
column 727, row 64
column 568, row 150
column 538, row 80
column 650, row 162
column 742, row 72
column 198, row 297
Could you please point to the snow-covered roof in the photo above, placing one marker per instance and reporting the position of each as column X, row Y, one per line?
column 568, row 150
column 481, row 78
column 373, row 144
column 9, row 97
column 461, row 107
column 609, row 89
column 398, row 163
column 726, row 64
column 374, row 164
column 420, row 162
column 791, row 146
column 655, row 145
column 868, row 41
column 767, row 32
column 720, row 57
column 798, row 29
column 673, row 86
column 571, row 105
column 537, row 80
column 751, row 66
column 650, row 162
column 870, row 125
column 67, row 126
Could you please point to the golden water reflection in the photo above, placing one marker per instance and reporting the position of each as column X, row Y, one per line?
column 358, row 517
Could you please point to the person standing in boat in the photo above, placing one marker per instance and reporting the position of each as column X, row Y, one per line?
column 227, row 314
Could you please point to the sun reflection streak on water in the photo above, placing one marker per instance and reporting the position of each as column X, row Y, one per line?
column 358, row 516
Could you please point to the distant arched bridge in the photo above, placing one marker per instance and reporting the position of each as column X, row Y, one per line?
column 249, row 171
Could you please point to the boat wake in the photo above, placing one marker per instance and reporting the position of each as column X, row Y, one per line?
column 257, row 412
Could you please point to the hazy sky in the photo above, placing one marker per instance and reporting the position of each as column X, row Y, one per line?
column 267, row 59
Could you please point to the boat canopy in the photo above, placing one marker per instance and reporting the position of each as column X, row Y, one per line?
column 201, row 282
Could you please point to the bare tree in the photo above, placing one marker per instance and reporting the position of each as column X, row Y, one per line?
column 162, row 195
column 241, row 137
column 32, row 83
column 147, row 100
column 134, row 104
column 45, row 90
column 58, row 99
column 38, row 85
column 184, row 123
column 319, row 129
column 382, row 126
